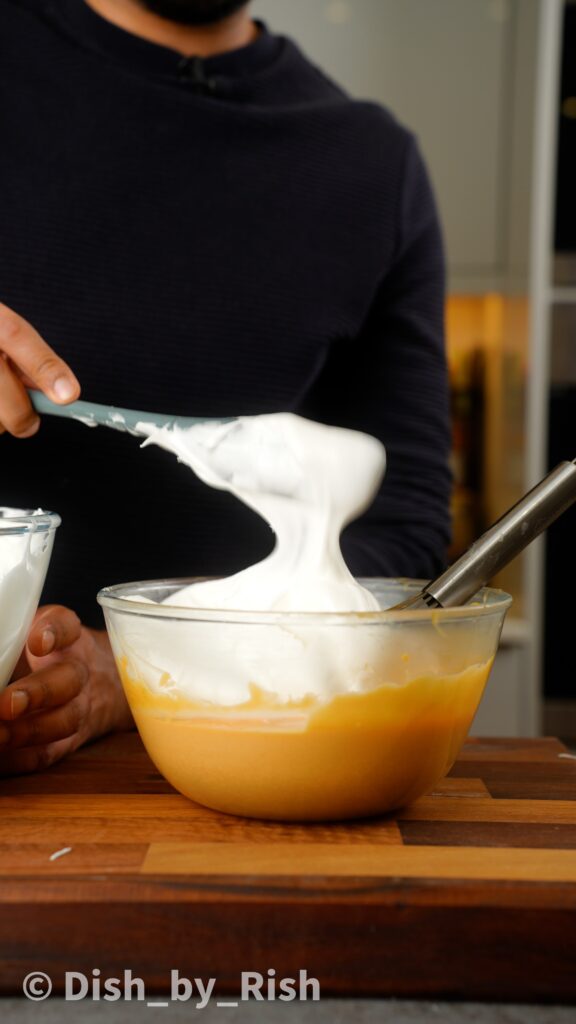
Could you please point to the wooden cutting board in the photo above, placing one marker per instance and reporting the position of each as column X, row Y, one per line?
column 469, row 893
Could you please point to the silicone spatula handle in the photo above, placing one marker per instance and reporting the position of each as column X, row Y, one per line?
column 94, row 415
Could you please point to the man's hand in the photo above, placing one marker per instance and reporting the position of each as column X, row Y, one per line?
column 27, row 361
column 65, row 691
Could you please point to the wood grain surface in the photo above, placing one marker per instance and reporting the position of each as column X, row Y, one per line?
column 468, row 893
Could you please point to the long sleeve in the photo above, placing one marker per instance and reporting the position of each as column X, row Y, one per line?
column 391, row 381
column 269, row 246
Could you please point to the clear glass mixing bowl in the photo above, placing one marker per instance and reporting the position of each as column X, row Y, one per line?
column 302, row 716
column 26, row 540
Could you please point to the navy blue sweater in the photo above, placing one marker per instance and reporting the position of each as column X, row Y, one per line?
column 222, row 237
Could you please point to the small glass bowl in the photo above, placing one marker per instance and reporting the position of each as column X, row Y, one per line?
column 302, row 716
column 26, row 540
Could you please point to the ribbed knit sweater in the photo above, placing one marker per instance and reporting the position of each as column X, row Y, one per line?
column 216, row 237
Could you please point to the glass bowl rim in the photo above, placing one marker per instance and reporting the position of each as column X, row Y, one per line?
column 27, row 520
column 489, row 601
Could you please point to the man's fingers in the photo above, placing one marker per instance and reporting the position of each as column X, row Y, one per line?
column 47, row 688
column 34, row 358
column 53, row 629
column 34, row 759
column 24, row 762
column 45, row 727
column 16, row 412
column 24, row 354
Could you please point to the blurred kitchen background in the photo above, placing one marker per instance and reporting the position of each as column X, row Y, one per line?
column 489, row 87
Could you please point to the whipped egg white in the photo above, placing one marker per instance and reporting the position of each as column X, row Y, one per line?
column 307, row 480
column 24, row 556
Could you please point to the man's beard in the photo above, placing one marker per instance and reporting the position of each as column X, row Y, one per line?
column 193, row 12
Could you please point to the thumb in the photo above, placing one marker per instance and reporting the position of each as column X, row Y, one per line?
column 54, row 629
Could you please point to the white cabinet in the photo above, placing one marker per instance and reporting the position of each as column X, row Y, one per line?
column 446, row 69
column 506, row 707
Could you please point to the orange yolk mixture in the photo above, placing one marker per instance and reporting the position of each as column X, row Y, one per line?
column 356, row 754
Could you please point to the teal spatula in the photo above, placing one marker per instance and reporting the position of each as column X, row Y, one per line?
column 127, row 420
